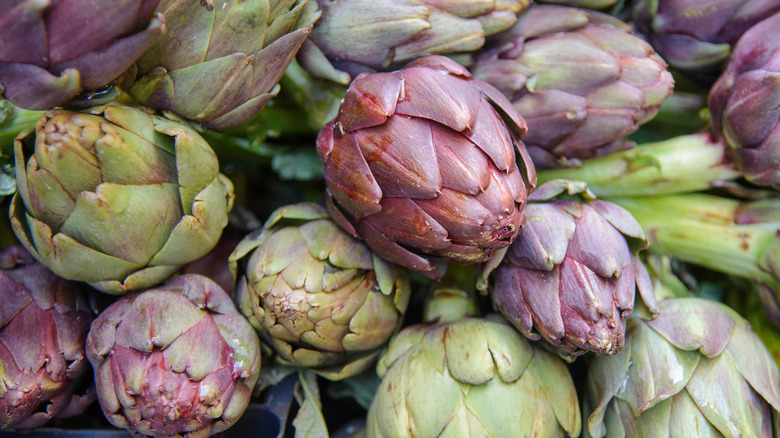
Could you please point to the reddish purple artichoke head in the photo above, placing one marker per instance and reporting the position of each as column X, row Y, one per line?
column 177, row 360
column 745, row 103
column 44, row 321
column 421, row 164
column 572, row 274
column 52, row 50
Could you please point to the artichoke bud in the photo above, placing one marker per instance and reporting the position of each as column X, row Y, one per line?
column 219, row 64
column 745, row 103
column 356, row 36
column 116, row 196
column 316, row 294
column 44, row 322
column 571, row 277
column 176, row 360
column 696, row 37
column 697, row 369
column 426, row 165
column 443, row 379
column 53, row 51
column 580, row 79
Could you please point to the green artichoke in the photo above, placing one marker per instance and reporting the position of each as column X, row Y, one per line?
column 471, row 377
column 316, row 294
column 580, row 79
column 355, row 36
column 219, row 62
column 52, row 50
column 177, row 360
column 745, row 103
column 116, row 196
column 696, row 370
column 426, row 164
column 572, row 275
column 43, row 324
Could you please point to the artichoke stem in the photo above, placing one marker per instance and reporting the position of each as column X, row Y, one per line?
column 14, row 120
column 682, row 164
column 702, row 229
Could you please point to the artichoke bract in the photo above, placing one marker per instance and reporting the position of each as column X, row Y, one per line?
column 219, row 63
column 696, row 36
column 317, row 295
column 356, row 36
column 421, row 163
column 745, row 103
column 44, row 321
column 117, row 197
column 580, row 79
column 471, row 377
column 52, row 51
column 696, row 370
column 572, row 275
column 177, row 360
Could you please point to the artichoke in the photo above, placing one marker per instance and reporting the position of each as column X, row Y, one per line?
column 356, row 36
column 471, row 377
column 421, row 163
column 51, row 51
column 697, row 370
column 43, row 324
column 116, row 196
column 316, row 294
column 219, row 64
column 581, row 80
column 696, row 36
column 177, row 360
column 745, row 103
column 572, row 274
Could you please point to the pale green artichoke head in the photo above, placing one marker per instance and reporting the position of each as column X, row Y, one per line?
column 316, row 294
column 219, row 63
column 697, row 370
column 117, row 197
column 471, row 377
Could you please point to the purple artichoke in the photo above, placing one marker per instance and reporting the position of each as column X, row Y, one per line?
column 745, row 103
column 421, row 163
column 696, row 35
column 52, row 50
column 356, row 36
column 174, row 360
column 572, row 274
column 43, row 324
column 580, row 79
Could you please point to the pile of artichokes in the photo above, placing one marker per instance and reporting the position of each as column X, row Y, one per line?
column 445, row 218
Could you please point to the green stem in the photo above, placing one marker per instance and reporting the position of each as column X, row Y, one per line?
column 701, row 229
column 683, row 164
column 14, row 120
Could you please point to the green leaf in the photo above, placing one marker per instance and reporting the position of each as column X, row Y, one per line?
column 361, row 387
column 300, row 165
column 309, row 422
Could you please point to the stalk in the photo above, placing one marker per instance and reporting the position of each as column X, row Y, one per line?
column 725, row 235
column 683, row 164
column 14, row 120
